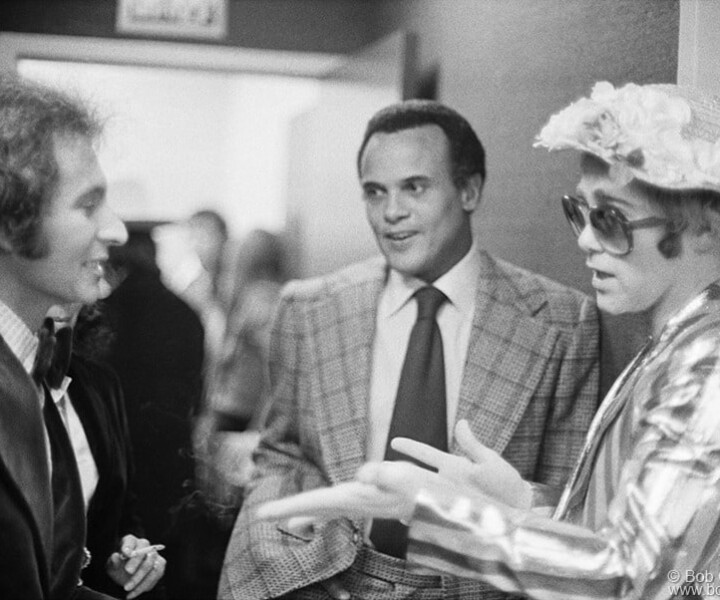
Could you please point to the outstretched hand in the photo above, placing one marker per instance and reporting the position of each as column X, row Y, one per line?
column 388, row 489
column 486, row 471
column 381, row 490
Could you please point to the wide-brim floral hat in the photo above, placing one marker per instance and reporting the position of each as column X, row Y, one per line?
column 662, row 134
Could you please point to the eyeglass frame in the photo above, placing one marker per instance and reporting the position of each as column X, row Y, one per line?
column 626, row 225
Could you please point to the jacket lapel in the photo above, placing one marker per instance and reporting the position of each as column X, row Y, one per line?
column 345, row 347
column 23, row 451
column 506, row 358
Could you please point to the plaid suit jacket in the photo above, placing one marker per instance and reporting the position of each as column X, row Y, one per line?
column 529, row 390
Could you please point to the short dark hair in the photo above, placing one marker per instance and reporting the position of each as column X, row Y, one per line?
column 467, row 155
column 697, row 211
column 32, row 117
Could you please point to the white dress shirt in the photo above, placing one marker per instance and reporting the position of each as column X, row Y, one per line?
column 81, row 448
column 23, row 343
column 396, row 316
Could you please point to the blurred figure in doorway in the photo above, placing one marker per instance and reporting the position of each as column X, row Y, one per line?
column 237, row 386
column 237, row 390
column 208, row 239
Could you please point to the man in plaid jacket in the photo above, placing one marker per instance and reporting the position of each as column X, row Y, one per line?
column 521, row 361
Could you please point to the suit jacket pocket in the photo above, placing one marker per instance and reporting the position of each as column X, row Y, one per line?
column 307, row 534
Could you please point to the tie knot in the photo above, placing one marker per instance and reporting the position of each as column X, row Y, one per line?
column 46, row 346
column 62, row 353
column 429, row 299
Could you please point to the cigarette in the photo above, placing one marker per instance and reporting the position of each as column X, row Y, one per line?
column 146, row 550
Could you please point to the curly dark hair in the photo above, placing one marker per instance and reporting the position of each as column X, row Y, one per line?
column 93, row 335
column 32, row 117
column 467, row 155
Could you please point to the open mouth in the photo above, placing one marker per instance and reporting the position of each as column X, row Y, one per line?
column 399, row 236
column 98, row 266
column 601, row 274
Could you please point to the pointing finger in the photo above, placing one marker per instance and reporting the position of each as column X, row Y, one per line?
column 421, row 452
column 326, row 503
column 475, row 449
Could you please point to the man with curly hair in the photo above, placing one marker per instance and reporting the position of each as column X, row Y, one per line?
column 55, row 231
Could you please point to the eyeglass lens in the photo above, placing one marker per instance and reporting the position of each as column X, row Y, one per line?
column 608, row 224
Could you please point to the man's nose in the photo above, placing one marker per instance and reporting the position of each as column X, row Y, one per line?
column 395, row 208
column 112, row 229
column 587, row 239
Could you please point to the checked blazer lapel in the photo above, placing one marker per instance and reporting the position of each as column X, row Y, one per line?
column 343, row 326
column 504, row 360
column 23, row 453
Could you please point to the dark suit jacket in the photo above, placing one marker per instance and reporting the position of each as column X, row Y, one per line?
column 97, row 397
column 158, row 355
column 529, row 391
column 26, row 510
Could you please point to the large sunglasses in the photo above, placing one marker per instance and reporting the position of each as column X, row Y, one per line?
column 612, row 229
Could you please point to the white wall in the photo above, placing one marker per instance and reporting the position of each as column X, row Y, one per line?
column 180, row 140
column 699, row 48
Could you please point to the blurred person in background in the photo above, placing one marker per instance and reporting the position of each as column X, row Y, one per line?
column 207, row 234
column 209, row 237
column 237, row 389
column 158, row 356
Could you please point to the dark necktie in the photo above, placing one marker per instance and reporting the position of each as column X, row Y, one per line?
column 420, row 409
column 68, row 505
column 61, row 357
column 52, row 360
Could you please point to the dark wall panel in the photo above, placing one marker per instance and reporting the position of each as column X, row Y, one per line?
column 334, row 26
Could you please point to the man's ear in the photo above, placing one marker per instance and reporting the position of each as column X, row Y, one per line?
column 472, row 192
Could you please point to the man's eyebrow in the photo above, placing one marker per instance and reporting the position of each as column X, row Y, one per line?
column 97, row 192
column 610, row 199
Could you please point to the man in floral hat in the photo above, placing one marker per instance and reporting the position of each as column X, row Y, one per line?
column 639, row 517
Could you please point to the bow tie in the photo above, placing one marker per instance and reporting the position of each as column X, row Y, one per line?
column 53, row 355
column 45, row 350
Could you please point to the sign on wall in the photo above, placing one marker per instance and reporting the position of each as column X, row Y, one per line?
column 173, row 18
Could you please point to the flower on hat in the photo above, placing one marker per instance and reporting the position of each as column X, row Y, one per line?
column 641, row 128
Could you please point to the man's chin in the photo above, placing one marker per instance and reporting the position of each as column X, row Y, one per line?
column 104, row 289
column 89, row 295
column 613, row 306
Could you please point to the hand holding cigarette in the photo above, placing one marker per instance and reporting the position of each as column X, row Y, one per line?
column 143, row 551
column 137, row 567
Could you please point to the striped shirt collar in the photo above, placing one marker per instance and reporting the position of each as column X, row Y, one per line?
column 22, row 342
